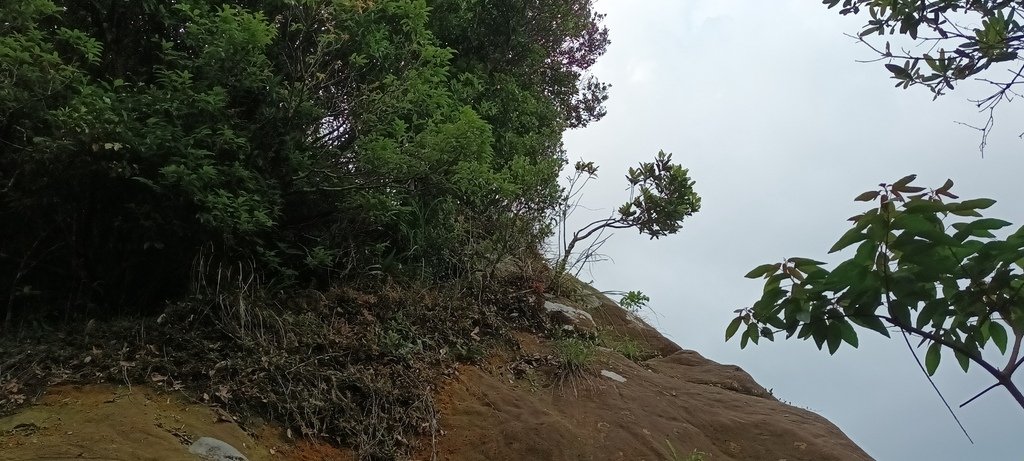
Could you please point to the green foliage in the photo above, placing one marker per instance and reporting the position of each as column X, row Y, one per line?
column 118, row 163
column 924, row 264
column 630, row 348
column 575, row 355
column 672, row 455
column 661, row 198
column 949, row 41
column 971, row 36
column 633, row 301
column 309, row 138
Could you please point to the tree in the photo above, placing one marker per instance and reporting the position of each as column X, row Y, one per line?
column 305, row 139
column 951, row 41
column 924, row 265
column 661, row 198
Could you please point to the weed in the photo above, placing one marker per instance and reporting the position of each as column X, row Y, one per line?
column 630, row 348
column 575, row 358
column 633, row 301
column 672, row 455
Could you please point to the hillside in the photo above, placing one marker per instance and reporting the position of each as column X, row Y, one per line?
column 319, row 229
column 513, row 404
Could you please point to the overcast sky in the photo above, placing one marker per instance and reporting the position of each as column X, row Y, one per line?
column 781, row 128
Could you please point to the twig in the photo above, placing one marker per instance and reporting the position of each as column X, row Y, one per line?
column 979, row 394
column 937, row 391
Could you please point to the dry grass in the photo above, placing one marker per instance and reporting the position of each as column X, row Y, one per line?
column 355, row 365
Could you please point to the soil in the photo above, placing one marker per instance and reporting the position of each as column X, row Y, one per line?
column 104, row 422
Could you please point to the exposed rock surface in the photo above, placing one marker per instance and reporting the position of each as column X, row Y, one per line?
column 681, row 399
column 568, row 316
column 211, row 449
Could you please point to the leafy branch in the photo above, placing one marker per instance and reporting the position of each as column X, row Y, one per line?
column 952, row 41
column 661, row 197
column 924, row 264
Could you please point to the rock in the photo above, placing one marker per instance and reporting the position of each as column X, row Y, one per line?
column 210, row 449
column 613, row 376
column 570, row 316
column 488, row 418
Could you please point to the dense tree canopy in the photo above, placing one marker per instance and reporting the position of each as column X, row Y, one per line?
column 305, row 137
column 147, row 143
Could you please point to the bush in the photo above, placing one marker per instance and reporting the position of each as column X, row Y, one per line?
column 307, row 139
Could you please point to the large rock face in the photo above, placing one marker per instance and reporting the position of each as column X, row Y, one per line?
column 624, row 410
column 681, row 402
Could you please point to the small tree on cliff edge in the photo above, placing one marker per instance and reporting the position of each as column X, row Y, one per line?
column 661, row 197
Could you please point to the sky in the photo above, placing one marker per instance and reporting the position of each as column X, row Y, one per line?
column 781, row 127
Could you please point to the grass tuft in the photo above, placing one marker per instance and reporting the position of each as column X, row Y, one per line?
column 575, row 362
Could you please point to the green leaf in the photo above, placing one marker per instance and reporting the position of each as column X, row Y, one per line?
column 733, row 327
column 900, row 312
column 899, row 72
column 867, row 196
column 921, row 206
column 963, row 360
column 774, row 282
column 753, row 332
column 906, row 179
column 849, row 238
column 871, row 323
column 976, row 204
column 819, row 332
column 965, row 212
column 931, row 310
column 990, row 224
column 932, row 358
column 865, row 32
column 834, row 338
column 763, row 270
column 998, row 334
column 801, row 263
column 849, row 334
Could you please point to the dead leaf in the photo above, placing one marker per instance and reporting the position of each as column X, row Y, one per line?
column 223, row 416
